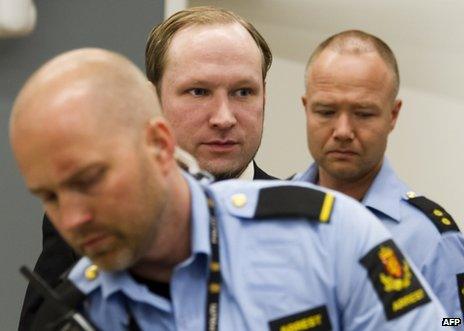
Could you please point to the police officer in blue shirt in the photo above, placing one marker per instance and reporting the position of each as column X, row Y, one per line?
column 164, row 252
column 352, row 81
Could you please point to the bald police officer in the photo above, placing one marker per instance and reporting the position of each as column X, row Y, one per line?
column 352, row 82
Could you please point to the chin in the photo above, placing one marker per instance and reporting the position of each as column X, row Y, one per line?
column 114, row 261
column 227, row 173
column 218, row 168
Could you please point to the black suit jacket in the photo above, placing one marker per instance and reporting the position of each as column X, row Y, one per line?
column 260, row 174
column 57, row 257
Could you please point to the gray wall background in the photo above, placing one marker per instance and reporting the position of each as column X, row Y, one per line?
column 118, row 25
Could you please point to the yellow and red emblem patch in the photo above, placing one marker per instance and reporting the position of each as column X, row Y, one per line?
column 397, row 275
column 393, row 279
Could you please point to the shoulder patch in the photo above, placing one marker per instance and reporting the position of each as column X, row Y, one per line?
column 439, row 217
column 397, row 286
column 316, row 319
column 294, row 201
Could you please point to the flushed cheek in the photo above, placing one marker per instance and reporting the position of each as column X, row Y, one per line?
column 187, row 128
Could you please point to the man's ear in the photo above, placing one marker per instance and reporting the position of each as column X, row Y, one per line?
column 160, row 140
column 304, row 101
column 395, row 112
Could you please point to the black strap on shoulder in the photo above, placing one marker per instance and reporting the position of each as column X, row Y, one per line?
column 436, row 213
column 294, row 201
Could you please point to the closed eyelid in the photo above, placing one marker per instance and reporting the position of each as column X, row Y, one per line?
column 86, row 175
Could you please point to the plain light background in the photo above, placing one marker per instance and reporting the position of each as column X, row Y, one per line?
column 117, row 25
column 427, row 37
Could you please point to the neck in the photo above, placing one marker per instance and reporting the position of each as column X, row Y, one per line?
column 356, row 188
column 172, row 245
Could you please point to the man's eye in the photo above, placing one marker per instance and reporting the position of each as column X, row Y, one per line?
column 198, row 92
column 91, row 179
column 243, row 92
column 325, row 112
column 364, row 114
column 48, row 198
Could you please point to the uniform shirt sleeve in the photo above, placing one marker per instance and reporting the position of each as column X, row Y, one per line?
column 361, row 305
column 441, row 269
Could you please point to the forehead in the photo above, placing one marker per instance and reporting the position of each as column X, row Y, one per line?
column 364, row 73
column 219, row 45
column 56, row 136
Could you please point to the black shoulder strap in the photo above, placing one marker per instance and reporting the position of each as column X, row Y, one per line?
column 439, row 216
column 294, row 201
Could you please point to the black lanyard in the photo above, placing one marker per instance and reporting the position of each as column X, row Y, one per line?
column 214, row 279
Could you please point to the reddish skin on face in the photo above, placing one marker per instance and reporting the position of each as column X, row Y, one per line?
column 101, row 191
column 212, row 92
column 350, row 112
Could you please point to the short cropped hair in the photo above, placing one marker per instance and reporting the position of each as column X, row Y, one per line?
column 161, row 36
column 358, row 42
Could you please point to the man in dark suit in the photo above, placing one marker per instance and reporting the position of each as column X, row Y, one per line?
column 209, row 68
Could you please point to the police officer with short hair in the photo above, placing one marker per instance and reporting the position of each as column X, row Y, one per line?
column 163, row 251
column 352, row 82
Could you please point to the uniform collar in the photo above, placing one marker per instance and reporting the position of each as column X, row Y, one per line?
column 112, row 282
column 384, row 194
column 199, row 217
column 309, row 175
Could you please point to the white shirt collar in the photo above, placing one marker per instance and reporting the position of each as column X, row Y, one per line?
column 248, row 173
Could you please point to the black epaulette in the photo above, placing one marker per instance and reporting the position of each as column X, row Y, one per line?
column 294, row 201
column 436, row 213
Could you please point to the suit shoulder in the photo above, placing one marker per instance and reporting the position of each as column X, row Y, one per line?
column 440, row 218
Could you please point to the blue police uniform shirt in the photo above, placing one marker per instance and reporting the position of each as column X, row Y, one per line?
column 276, row 272
column 439, row 256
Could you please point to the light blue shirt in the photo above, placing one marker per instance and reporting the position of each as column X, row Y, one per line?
column 271, row 269
column 439, row 256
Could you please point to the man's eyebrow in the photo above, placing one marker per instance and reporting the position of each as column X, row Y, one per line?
column 366, row 105
column 322, row 103
column 206, row 82
column 246, row 81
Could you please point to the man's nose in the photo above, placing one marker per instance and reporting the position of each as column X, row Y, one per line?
column 73, row 212
column 223, row 116
column 343, row 128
